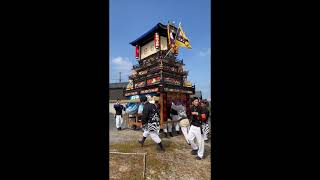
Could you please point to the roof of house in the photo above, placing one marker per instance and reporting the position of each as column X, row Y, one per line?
column 115, row 94
column 117, row 85
column 116, row 90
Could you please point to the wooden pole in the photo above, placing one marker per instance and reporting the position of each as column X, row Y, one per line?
column 127, row 153
column 132, row 100
column 144, row 166
column 161, row 109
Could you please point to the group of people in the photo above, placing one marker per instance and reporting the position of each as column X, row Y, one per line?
column 178, row 119
column 195, row 128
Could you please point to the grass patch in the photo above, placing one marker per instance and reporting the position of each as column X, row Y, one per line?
column 175, row 163
column 126, row 166
column 149, row 146
column 155, row 161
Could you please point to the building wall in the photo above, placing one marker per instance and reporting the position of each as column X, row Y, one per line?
column 116, row 93
column 111, row 109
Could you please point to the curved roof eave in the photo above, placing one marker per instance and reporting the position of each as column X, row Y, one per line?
column 156, row 27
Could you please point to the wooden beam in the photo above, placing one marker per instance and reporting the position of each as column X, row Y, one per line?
column 132, row 100
column 161, row 109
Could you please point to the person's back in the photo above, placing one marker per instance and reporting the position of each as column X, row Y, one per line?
column 173, row 112
column 174, row 116
column 150, row 116
column 151, row 122
column 180, row 109
column 182, row 117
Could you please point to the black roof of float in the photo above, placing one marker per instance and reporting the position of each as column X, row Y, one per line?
column 197, row 94
column 146, row 37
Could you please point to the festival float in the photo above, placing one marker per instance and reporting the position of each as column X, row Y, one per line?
column 158, row 73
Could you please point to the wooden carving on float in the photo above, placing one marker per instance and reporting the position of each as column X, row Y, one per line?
column 172, row 81
column 153, row 81
column 130, row 85
column 134, row 73
column 143, row 72
column 149, row 91
column 131, row 93
column 180, row 69
column 139, row 84
column 154, row 69
column 178, row 91
column 187, row 84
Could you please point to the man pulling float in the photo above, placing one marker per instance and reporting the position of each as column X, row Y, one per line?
column 150, row 123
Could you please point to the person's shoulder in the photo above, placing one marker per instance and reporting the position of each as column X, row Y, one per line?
column 203, row 108
column 147, row 104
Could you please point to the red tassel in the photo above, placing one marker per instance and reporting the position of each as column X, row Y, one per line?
column 137, row 52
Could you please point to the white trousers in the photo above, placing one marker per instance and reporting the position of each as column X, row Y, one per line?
column 205, row 136
column 185, row 131
column 167, row 127
column 119, row 121
column 195, row 132
column 205, row 130
column 153, row 134
column 176, row 124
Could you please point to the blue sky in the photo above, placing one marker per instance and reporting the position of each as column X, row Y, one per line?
column 129, row 19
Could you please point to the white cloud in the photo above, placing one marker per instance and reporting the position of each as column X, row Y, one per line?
column 121, row 63
column 205, row 53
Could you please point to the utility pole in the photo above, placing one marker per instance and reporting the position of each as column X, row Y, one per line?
column 119, row 79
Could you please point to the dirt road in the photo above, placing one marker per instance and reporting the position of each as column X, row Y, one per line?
column 175, row 163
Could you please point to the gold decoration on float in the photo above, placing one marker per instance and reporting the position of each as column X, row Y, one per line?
column 130, row 85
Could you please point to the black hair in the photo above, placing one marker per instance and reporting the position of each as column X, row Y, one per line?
column 194, row 98
column 143, row 99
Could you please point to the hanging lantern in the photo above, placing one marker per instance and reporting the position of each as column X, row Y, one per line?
column 156, row 41
column 137, row 52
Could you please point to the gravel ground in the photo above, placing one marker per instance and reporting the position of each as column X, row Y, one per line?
column 175, row 163
column 126, row 134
